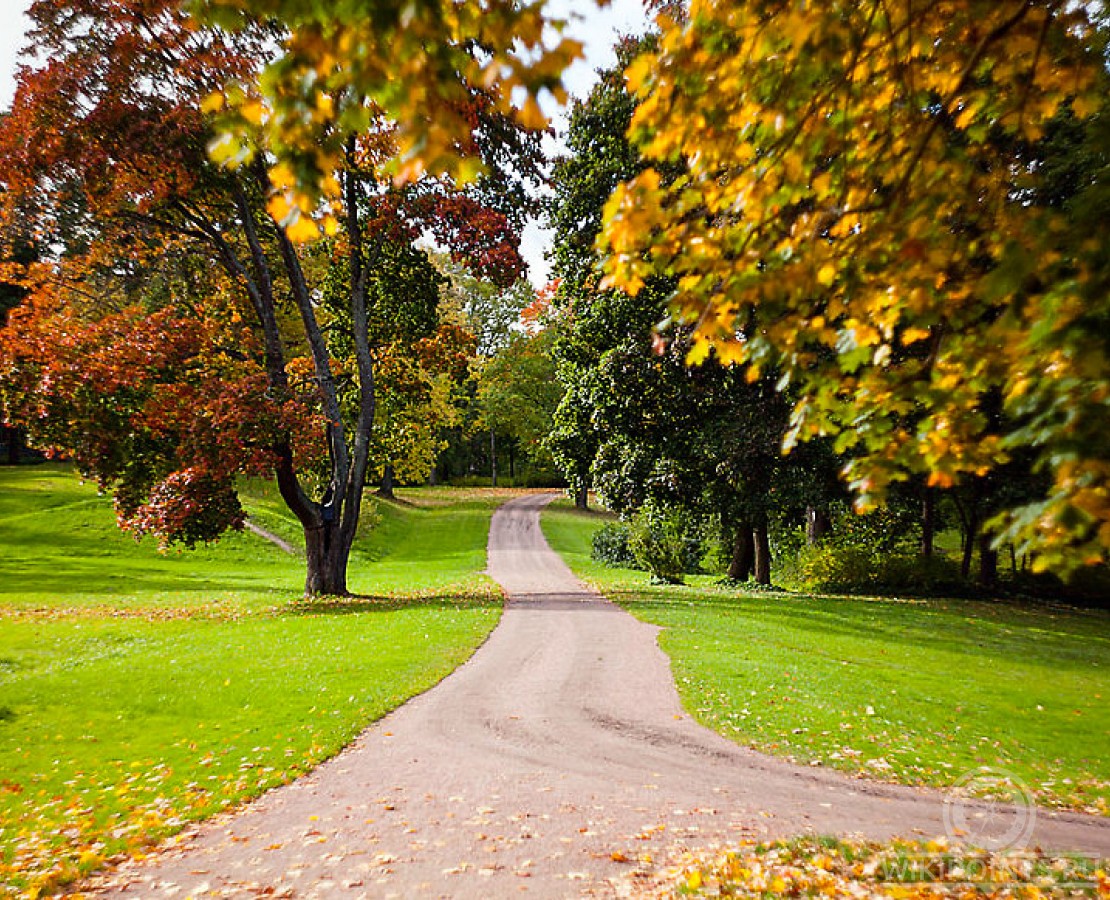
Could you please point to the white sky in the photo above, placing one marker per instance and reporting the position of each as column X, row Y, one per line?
column 597, row 29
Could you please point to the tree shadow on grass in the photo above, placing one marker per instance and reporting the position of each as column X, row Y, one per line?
column 968, row 628
column 76, row 576
column 372, row 603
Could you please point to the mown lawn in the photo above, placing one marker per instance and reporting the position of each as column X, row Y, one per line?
column 918, row 692
column 141, row 690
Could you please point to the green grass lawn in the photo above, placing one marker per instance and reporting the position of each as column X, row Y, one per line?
column 918, row 692
column 142, row 690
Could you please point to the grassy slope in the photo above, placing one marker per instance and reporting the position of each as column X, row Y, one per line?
column 139, row 690
column 917, row 692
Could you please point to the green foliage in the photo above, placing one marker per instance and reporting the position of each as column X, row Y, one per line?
column 665, row 541
column 636, row 421
column 517, row 391
column 861, row 569
column 611, row 545
column 917, row 692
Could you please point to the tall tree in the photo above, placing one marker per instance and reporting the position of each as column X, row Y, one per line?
column 117, row 110
column 634, row 418
column 599, row 157
column 855, row 211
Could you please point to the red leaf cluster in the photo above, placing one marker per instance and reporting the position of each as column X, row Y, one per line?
column 164, row 408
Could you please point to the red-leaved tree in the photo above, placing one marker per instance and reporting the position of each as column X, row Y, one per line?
column 156, row 343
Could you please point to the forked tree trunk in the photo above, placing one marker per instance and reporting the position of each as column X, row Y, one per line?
column 326, row 553
column 742, row 563
column 762, row 555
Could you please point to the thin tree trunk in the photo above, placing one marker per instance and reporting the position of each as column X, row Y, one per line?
column 386, row 488
column 742, row 563
column 971, row 529
column 928, row 523
column 492, row 459
column 988, row 561
column 817, row 524
column 762, row 555
column 582, row 494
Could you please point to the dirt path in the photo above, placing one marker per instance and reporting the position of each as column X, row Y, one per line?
column 559, row 749
column 270, row 536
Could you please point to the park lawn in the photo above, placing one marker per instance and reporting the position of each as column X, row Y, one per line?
column 140, row 690
column 917, row 692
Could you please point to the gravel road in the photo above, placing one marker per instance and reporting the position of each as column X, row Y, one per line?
column 555, row 760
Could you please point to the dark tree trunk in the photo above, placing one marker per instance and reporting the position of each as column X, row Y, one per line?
column 817, row 524
column 582, row 495
column 512, row 459
column 327, row 553
column 15, row 444
column 971, row 530
column 386, row 488
column 928, row 523
column 742, row 563
column 762, row 555
column 492, row 459
column 988, row 561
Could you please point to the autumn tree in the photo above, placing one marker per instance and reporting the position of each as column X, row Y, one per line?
column 635, row 419
column 856, row 212
column 118, row 113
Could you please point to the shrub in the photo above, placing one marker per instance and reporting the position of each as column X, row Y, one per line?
column 664, row 541
column 610, row 546
column 856, row 569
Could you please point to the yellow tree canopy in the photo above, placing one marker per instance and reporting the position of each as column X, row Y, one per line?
column 340, row 66
column 855, row 211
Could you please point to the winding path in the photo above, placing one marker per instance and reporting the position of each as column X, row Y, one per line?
column 558, row 752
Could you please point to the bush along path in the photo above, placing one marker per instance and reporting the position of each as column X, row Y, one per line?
column 556, row 762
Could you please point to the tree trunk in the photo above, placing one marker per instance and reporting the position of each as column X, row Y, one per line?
column 762, row 555
column 15, row 442
column 988, row 561
column 492, row 459
column 582, row 495
column 386, row 488
column 742, row 563
column 928, row 523
column 512, row 460
column 971, row 530
column 326, row 561
column 817, row 524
